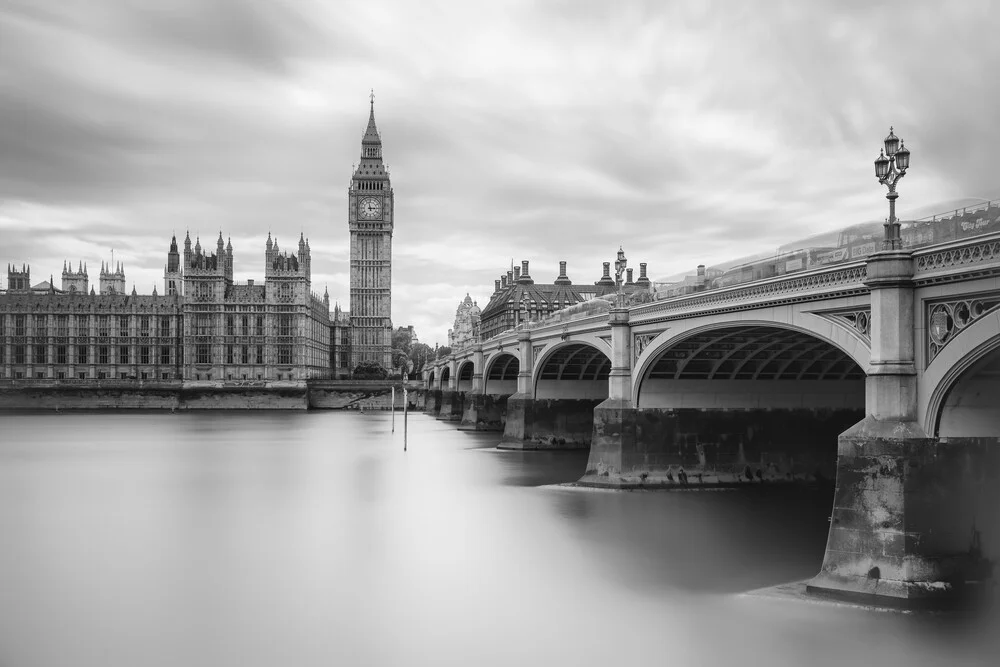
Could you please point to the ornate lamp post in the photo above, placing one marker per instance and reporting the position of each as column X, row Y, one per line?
column 891, row 166
column 620, row 265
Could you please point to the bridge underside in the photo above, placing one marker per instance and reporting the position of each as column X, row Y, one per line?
column 487, row 410
column 736, row 405
column 570, row 382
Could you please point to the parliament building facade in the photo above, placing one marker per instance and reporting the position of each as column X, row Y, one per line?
column 206, row 327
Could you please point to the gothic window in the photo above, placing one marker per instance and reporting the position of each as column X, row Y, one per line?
column 102, row 354
column 260, row 325
column 123, row 354
column 83, row 325
column 260, row 354
column 245, row 331
column 62, row 325
column 123, row 326
column 40, row 328
column 40, row 351
column 202, row 324
column 229, row 354
column 144, row 354
column 103, row 326
column 81, row 354
column 203, row 354
column 164, row 355
column 284, row 325
column 245, row 356
column 144, row 326
column 18, row 354
column 61, row 354
column 3, row 326
column 229, row 326
column 285, row 354
column 164, row 326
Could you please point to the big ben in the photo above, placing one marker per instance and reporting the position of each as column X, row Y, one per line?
column 370, row 219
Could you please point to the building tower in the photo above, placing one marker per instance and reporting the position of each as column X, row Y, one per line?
column 75, row 282
column 370, row 220
column 112, row 281
column 173, row 279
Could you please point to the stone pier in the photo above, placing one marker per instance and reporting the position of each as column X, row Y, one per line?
column 484, row 412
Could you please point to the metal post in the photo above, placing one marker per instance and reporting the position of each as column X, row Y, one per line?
column 405, row 404
column 393, row 408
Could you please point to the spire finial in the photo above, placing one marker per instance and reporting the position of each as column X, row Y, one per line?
column 371, row 98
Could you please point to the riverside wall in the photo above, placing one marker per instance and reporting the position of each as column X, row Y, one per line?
column 329, row 395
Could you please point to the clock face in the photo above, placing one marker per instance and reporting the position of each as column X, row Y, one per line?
column 370, row 208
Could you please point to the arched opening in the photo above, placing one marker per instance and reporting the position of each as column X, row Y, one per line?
column 465, row 376
column 578, row 370
column 445, row 377
column 747, row 403
column 970, row 405
column 501, row 375
column 430, row 381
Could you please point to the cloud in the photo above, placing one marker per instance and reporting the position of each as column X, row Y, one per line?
column 688, row 132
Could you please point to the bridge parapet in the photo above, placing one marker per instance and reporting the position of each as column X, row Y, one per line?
column 824, row 283
column 976, row 257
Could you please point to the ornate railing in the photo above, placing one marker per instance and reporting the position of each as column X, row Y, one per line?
column 843, row 277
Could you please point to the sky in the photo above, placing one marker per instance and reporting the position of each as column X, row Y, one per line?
column 686, row 132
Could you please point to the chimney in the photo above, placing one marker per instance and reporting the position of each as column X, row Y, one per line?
column 701, row 276
column 496, row 286
column 503, row 282
column 510, row 278
column 628, row 277
column 643, row 280
column 517, row 273
column 250, row 282
column 563, row 279
column 606, row 279
column 525, row 279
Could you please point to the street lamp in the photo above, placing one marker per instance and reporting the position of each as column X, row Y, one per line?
column 891, row 166
column 620, row 265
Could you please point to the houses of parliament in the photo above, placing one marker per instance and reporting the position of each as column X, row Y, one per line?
column 206, row 327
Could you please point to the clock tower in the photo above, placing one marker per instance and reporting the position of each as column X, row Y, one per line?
column 370, row 218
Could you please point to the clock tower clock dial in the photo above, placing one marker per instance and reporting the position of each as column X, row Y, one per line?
column 370, row 216
column 369, row 208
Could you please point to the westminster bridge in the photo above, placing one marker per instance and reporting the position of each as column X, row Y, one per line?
column 881, row 374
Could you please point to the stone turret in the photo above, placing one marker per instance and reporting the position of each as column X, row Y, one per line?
column 19, row 281
column 112, row 278
column 173, row 277
column 75, row 282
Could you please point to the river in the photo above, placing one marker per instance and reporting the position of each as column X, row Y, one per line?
column 300, row 539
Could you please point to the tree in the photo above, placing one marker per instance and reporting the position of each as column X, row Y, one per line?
column 443, row 352
column 419, row 354
column 370, row 370
column 401, row 339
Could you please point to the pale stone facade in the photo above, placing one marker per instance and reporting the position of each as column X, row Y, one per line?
column 466, row 329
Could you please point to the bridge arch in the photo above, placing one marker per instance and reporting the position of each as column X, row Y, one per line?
column 960, row 384
column 572, row 369
column 445, row 377
column 431, row 378
column 500, row 376
column 751, row 350
column 466, row 369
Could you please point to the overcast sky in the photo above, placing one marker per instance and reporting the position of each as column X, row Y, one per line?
column 689, row 132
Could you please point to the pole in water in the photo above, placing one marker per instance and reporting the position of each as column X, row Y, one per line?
column 393, row 408
column 405, row 404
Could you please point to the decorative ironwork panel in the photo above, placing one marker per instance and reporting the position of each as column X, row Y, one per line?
column 639, row 343
column 947, row 319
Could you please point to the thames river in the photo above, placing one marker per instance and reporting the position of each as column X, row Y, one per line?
column 271, row 539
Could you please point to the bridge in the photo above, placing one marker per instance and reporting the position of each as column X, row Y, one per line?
column 881, row 374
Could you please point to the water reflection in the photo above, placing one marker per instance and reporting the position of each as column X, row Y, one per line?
column 313, row 539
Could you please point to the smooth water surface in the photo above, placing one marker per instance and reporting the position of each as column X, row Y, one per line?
column 267, row 539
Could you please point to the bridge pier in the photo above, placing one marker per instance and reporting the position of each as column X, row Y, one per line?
column 432, row 402
column 553, row 423
column 903, row 530
column 484, row 412
column 451, row 406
